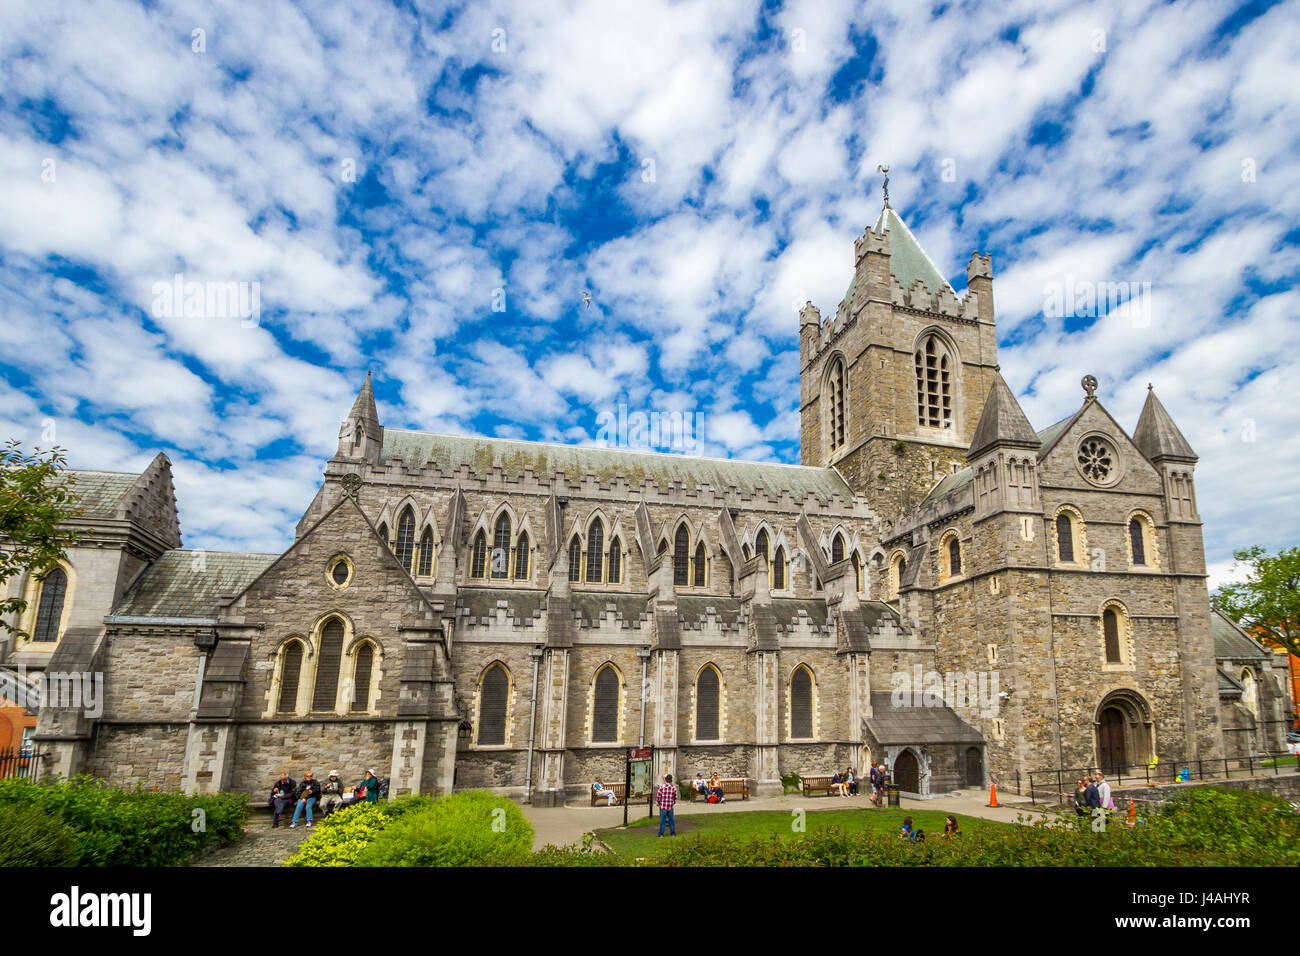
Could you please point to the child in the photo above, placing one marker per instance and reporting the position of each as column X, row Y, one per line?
column 950, row 828
column 908, row 833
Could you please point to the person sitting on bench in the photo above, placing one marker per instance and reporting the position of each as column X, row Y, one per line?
column 700, row 785
column 715, row 788
column 599, row 788
column 283, row 794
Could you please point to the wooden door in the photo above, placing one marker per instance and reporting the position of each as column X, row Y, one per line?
column 907, row 774
column 1111, row 753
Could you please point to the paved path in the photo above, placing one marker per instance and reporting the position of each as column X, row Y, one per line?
column 261, row 846
column 565, row 825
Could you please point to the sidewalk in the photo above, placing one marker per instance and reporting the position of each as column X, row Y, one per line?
column 562, row 826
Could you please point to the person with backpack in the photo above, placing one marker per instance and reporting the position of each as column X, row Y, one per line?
column 283, row 792
column 308, row 794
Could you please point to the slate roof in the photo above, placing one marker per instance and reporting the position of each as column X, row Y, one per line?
column 948, row 485
column 917, row 725
column 186, row 584
column 1049, row 434
column 546, row 459
column 907, row 260
column 1157, row 435
column 1002, row 421
column 99, row 493
column 1231, row 642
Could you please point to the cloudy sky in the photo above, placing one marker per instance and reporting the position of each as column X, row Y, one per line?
column 428, row 194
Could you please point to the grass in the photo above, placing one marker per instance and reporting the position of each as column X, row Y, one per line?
column 641, row 838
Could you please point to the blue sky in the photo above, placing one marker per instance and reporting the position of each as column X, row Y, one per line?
column 697, row 169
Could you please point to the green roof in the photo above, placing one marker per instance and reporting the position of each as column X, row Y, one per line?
column 907, row 260
column 545, row 459
column 100, row 492
column 1049, row 435
column 1230, row 641
column 187, row 584
column 949, row 484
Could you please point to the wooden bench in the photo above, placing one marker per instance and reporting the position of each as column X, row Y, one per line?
column 731, row 787
column 813, row 785
column 598, row 797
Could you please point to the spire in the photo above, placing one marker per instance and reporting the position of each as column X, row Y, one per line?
column 1156, row 434
column 363, row 409
column 361, row 435
column 1002, row 422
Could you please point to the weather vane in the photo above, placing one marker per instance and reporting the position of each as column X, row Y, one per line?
column 885, row 187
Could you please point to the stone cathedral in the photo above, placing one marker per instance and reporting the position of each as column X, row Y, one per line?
column 937, row 585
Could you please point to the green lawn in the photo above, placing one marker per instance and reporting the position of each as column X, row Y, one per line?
column 641, row 838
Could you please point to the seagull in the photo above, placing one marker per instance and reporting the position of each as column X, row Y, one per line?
column 586, row 299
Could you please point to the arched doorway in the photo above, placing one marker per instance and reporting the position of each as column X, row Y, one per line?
column 1124, row 731
column 907, row 773
column 974, row 767
column 1111, row 752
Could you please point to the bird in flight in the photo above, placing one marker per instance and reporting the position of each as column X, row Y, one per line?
column 586, row 299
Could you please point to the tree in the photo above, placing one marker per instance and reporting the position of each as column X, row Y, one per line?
column 1267, row 603
column 36, row 500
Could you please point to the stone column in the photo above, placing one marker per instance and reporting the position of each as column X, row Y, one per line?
column 767, row 696
column 553, row 691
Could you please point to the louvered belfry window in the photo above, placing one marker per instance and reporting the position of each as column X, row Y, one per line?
column 521, row 558
column 290, row 673
column 604, row 717
column 501, row 548
column 54, row 590
column 801, row 704
column 933, row 384
column 837, row 404
column 595, row 550
column 615, row 561
column 682, row 557
column 1064, row 538
column 327, row 666
column 405, row 550
column 707, row 694
column 361, row 677
column 492, row 706
column 426, row 552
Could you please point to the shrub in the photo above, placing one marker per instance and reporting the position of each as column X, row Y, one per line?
column 343, row 834
column 30, row 836
column 138, row 827
column 465, row 829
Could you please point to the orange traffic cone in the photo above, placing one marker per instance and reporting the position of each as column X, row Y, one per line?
column 993, row 795
column 1132, row 814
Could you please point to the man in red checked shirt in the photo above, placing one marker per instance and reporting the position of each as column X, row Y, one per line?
column 666, row 797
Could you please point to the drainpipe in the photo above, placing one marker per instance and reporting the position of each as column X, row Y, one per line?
column 536, row 655
column 644, row 654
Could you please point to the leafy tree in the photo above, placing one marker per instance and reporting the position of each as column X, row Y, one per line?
column 36, row 499
column 1267, row 603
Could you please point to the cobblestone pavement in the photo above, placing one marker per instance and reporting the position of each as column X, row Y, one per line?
column 261, row 846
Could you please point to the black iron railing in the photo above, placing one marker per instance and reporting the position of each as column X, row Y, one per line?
column 1059, row 783
column 20, row 763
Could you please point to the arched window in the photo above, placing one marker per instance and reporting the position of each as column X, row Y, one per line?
column 501, row 547
column 328, row 662
column 1110, row 626
column 954, row 556
column 837, row 549
column 54, row 590
column 361, row 672
column 1064, row 538
column 575, row 559
column 383, row 534
column 933, row 383
column 897, row 566
column 1137, row 542
column 744, row 552
column 760, row 545
column 949, row 555
column 801, row 703
column 426, row 552
column 698, row 566
column 708, row 694
column 521, row 557
column 857, row 572
column 494, row 693
column 595, row 550
column 478, row 560
column 682, row 557
column 405, row 550
column 778, row 570
column 615, row 561
column 835, row 382
column 604, row 706
column 290, row 674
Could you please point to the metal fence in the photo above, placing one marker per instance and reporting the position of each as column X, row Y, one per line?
column 1059, row 783
column 20, row 763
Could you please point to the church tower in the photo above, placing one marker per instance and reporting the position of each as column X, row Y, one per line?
column 891, row 386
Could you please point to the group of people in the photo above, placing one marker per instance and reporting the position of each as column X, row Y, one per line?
column 912, row 835
column 311, row 793
column 1092, row 793
column 846, row 784
column 711, row 789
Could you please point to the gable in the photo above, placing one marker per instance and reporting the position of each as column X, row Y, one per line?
column 1059, row 465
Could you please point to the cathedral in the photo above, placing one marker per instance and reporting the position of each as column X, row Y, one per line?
column 938, row 585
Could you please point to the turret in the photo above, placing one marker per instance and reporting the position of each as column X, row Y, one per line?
column 361, row 437
column 1003, row 455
